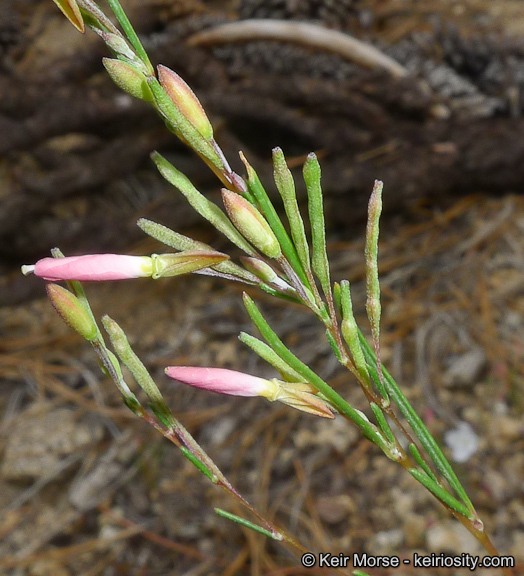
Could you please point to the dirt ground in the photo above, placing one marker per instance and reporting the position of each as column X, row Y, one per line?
column 87, row 489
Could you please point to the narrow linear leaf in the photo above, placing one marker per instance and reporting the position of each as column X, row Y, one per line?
column 418, row 427
column 359, row 419
column 196, row 462
column 122, row 18
column 111, row 366
column 382, row 422
column 248, row 524
column 420, row 461
column 319, row 258
column 278, row 294
column 124, row 351
column 271, row 357
column 211, row 212
column 286, row 187
column 265, row 205
column 337, row 297
column 373, row 307
column 334, row 346
column 349, row 331
column 440, row 492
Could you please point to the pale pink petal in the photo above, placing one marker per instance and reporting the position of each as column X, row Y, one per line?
column 221, row 380
column 94, row 267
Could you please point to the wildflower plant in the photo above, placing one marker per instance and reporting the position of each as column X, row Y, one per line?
column 279, row 259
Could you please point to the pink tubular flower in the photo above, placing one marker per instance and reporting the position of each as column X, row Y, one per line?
column 223, row 381
column 297, row 395
column 92, row 267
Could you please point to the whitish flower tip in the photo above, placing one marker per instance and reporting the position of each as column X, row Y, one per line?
column 28, row 269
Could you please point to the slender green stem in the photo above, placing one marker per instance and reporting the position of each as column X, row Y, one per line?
column 122, row 18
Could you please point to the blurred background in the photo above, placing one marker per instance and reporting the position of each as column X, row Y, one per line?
column 85, row 488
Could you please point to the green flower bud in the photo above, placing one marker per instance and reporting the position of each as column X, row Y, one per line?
column 251, row 224
column 128, row 78
column 72, row 311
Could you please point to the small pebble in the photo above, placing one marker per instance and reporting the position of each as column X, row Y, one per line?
column 462, row 441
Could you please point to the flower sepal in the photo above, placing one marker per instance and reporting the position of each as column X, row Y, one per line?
column 167, row 265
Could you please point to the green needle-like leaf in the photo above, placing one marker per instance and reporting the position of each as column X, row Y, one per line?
column 373, row 307
column 420, row 461
column 382, row 422
column 286, row 187
column 130, row 33
column 211, row 212
column 271, row 357
column 265, row 205
column 196, row 462
column 349, row 330
column 319, row 259
column 136, row 367
column 248, row 524
column 441, row 493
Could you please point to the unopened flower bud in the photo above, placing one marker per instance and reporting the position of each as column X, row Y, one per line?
column 251, row 224
column 185, row 100
column 166, row 265
column 128, row 78
column 71, row 11
column 297, row 395
column 72, row 311
column 92, row 267
column 223, row 381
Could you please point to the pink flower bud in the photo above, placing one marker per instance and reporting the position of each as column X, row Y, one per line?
column 93, row 267
column 185, row 100
column 251, row 224
column 223, row 381
column 71, row 11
